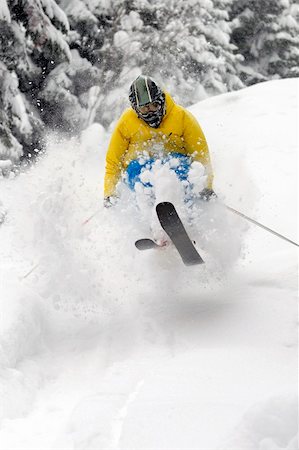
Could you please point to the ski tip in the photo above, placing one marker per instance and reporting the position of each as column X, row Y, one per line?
column 162, row 206
column 145, row 244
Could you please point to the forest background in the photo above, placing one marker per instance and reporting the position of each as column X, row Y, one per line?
column 65, row 64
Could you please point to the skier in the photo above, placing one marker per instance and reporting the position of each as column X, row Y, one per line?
column 154, row 121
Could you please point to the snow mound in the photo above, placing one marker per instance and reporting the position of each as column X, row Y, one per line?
column 269, row 425
column 102, row 346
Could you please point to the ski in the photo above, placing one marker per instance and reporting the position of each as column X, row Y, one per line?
column 146, row 244
column 174, row 228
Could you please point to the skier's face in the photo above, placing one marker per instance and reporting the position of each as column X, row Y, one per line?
column 152, row 113
column 150, row 107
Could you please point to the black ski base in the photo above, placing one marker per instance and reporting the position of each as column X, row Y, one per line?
column 174, row 228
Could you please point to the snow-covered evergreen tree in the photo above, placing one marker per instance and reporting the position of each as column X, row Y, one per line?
column 31, row 45
column 20, row 129
column 284, row 60
column 10, row 147
column 267, row 35
column 44, row 83
column 64, row 63
column 185, row 45
column 68, row 95
column 191, row 50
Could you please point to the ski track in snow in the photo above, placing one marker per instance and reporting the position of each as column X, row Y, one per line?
column 102, row 347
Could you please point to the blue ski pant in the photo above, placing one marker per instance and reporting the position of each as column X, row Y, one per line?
column 137, row 166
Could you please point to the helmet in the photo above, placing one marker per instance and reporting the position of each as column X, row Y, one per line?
column 145, row 91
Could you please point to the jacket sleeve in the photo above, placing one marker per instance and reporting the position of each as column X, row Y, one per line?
column 196, row 145
column 117, row 148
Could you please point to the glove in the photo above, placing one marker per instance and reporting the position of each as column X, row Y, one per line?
column 207, row 194
column 109, row 201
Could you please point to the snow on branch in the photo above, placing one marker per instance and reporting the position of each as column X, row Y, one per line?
column 42, row 30
column 55, row 13
column 4, row 11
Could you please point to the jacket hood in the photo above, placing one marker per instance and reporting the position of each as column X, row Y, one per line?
column 169, row 103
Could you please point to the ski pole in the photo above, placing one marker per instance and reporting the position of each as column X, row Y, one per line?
column 82, row 224
column 89, row 218
column 261, row 225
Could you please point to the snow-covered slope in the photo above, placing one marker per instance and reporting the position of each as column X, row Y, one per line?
column 103, row 347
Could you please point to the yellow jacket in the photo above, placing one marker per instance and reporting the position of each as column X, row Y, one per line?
column 179, row 132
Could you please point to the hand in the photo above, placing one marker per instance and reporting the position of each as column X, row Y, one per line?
column 207, row 194
column 109, row 201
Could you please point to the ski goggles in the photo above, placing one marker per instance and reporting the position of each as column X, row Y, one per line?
column 150, row 107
